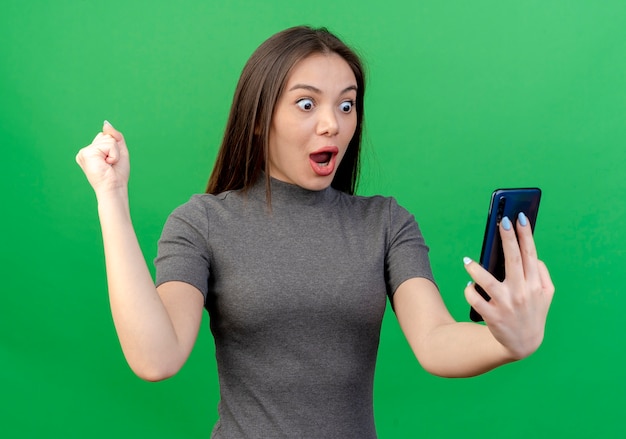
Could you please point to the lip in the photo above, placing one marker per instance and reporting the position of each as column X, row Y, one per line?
column 328, row 169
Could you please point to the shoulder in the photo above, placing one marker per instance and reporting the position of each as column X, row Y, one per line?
column 206, row 213
column 194, row 220
column 202, row 204
column 374, row 204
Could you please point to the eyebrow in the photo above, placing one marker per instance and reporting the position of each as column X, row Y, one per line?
column 317, row 90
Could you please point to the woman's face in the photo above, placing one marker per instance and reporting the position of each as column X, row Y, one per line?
column 313, row 122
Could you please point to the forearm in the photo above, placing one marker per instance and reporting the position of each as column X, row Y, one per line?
column 443, row 346
column 461, row 349
column 144, row 328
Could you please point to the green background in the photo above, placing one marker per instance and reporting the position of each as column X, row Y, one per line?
column 463, row 97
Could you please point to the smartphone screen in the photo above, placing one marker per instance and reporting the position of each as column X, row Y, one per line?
column 509, row 203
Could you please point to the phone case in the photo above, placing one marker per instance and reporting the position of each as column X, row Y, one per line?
column 509, row 203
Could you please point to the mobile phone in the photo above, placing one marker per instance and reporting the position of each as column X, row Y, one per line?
column 509, row 203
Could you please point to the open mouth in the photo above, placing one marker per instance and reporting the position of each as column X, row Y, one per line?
column 321, row 158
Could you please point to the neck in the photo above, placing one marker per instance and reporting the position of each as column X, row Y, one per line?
column 282, row 193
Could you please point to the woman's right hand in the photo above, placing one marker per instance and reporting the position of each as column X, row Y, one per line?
column 105, row 162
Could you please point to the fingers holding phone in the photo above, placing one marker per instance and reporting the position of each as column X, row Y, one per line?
column 525, row 244
column 512, row 290
column 522, row 265
column 506, row 204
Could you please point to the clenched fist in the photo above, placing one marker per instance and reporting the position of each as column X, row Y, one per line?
column 105, row 161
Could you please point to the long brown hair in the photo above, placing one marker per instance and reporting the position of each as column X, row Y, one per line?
column 243, row 154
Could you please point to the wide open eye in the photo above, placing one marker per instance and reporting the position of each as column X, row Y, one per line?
column 305, row 104
column 346, row 106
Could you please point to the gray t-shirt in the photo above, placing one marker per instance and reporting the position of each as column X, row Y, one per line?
column 296, row 297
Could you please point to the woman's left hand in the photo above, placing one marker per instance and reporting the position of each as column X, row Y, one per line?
column 516, row 314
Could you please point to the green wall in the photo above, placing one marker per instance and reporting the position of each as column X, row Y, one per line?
column 463, row 97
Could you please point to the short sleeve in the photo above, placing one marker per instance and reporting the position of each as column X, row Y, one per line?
column 183, row 251
column 407, row 253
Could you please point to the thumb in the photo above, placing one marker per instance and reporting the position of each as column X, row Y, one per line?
column 107, row 128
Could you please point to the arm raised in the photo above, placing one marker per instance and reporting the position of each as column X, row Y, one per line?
column 156, row 329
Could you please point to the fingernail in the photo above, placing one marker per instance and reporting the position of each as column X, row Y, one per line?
column 466, row 260
column 506, row 223
column 522, row 219
column 106, row 122
column 469, row 283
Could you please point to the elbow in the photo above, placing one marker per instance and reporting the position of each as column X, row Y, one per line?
column 430, row 362
column 441, row 371
column 449, row 368
column 437, row 370
column 154, row 372
column 450, row 373
column 153, row 377
column 444, row 367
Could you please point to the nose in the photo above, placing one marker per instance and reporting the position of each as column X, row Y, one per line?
column 328, row 123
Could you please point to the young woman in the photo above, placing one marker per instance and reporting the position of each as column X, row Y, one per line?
column 293, row 268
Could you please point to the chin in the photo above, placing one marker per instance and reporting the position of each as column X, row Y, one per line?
column 317, row 183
